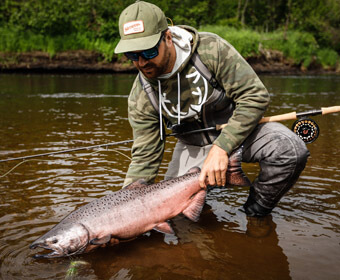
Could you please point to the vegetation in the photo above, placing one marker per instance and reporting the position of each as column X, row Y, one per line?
column 305, row 31
column 300, row 46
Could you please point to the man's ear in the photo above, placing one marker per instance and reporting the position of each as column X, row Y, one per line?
column 168, row 38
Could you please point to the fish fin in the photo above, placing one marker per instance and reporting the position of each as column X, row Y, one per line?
column 235, row 174
column 164, row 228
column 193, row 170
column 100, row 241
column 194, row 209
column 138, row 183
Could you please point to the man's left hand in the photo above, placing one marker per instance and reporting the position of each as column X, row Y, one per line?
column 214, row 168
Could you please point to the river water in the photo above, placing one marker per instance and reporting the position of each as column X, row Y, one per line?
column 45, row 113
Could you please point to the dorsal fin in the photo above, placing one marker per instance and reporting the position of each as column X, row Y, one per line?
column 138, row 183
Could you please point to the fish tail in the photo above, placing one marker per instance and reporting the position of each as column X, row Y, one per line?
column 235, row 174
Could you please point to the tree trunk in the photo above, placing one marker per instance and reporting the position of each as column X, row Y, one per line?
column 244, row 12
column 238, row 16
column 287, row 20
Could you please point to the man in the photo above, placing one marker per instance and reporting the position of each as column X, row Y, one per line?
column 190, row 91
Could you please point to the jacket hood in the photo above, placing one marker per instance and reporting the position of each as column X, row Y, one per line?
column 194, row 44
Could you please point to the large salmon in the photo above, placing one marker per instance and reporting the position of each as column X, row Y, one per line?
column 132, row 211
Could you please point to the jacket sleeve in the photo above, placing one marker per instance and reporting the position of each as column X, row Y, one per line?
column 147, row 149
column 242, row 86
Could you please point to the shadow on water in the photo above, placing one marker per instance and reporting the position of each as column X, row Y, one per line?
column 43, row 113
column 200, row 251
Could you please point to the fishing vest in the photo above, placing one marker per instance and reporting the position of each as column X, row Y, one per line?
column 216, row 110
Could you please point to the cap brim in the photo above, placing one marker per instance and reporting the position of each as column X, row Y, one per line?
column 137, row 44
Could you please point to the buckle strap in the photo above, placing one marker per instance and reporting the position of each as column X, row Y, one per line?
column 150, row 92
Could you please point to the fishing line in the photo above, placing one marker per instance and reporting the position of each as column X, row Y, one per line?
column 73, row 157
column 68, row 150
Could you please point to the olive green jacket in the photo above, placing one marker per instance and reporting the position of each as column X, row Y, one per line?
column 239, row 81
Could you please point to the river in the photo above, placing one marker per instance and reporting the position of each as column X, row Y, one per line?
column 45, row 113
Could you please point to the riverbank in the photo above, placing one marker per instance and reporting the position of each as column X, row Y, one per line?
column 266, row 62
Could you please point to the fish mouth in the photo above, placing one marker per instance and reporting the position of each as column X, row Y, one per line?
column 52, row 254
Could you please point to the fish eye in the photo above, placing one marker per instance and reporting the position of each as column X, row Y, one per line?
column 54, row 241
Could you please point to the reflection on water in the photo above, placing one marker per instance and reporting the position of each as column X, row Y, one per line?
column 44, row 113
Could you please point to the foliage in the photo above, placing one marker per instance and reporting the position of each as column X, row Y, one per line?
column 246, row 41
column 327, row 57
column 16, row 41
column 301, row 47
column 62, row 17
column 100, row 17
column 300, row 29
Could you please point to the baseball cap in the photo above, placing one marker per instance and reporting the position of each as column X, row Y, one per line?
column 140, row 27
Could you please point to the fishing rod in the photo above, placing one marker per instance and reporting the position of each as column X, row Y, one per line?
column 306, row 128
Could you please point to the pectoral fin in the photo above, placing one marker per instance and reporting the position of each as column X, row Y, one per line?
column 164, row 228
column 194, row 209
column 100, row 241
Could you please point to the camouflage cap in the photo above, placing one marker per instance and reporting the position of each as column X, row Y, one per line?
column 140, row 27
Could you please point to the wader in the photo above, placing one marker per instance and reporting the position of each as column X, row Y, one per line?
column 282, row 155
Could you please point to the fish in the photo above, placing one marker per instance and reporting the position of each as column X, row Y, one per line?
column 132, row 211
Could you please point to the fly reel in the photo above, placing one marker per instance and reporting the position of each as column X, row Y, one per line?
column 307, row 129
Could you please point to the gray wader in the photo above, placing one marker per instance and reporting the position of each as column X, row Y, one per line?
column 282, row 156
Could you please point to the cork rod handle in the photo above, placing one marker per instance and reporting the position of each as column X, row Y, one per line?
column 328, row 110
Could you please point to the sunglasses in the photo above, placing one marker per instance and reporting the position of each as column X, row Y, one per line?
column 146, row 54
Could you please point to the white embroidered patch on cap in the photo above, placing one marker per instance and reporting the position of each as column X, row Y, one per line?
column 133, row 27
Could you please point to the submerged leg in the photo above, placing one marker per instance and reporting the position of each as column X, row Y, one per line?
column 282, row 156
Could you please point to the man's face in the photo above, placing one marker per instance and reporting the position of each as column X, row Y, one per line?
column 161, row 64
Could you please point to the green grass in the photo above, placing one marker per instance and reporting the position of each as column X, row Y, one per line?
column 301, row 47
column 245, row 41
column 12, row 40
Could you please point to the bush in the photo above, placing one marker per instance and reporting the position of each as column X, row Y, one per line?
column 17, row 41
column 301, row 47
column 244, row 40
column 327, row 57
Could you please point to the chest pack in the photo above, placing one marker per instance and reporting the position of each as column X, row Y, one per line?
column 217, row 109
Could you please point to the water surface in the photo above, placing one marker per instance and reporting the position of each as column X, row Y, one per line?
column 44, row 113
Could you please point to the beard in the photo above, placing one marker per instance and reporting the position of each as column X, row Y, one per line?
column 152, row 70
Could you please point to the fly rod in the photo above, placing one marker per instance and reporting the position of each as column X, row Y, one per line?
column 304, row 127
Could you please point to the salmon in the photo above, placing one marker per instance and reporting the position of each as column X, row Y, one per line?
column 132, row 211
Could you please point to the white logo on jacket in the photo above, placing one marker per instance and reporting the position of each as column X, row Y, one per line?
column 194, row 109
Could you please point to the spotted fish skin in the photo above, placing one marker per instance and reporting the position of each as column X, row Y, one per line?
column 130, row 212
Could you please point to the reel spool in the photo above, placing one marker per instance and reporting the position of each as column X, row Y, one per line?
column 307, row 129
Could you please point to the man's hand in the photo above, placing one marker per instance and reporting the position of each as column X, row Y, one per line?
column 214, row 168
